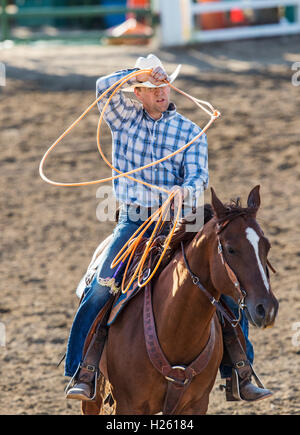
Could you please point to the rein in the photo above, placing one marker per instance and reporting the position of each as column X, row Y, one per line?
column 232, row 276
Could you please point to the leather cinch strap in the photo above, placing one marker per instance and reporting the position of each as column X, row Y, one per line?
column 179, row 377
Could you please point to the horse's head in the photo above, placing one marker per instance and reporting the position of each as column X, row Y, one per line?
column 241, row 263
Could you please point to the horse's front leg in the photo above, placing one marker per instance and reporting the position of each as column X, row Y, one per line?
column 141, row 402
column 197, row 407
column 127, row 409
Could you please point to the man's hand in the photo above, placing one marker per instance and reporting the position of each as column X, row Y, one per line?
column 184, row 191
column 157, row 76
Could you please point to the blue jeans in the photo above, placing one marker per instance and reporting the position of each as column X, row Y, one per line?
column 96, row 296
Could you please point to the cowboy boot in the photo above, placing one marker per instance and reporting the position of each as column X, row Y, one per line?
column 87, row 374
column 239, row 386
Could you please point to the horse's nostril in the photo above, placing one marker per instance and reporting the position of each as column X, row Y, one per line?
column 260, row 311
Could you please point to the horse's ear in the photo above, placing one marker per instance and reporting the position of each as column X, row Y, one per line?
column 254, row 198
column 217, row 205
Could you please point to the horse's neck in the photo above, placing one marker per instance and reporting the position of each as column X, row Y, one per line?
column 183, row 313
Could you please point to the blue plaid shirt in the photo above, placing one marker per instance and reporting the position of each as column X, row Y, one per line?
column 138, row 140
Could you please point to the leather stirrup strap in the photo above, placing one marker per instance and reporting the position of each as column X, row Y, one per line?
column 227, row 327
column 93, row 350
column 179, row 377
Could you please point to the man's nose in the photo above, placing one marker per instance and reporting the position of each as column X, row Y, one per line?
column 159, row 91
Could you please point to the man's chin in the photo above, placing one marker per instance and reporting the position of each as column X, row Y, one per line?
column 162, row 107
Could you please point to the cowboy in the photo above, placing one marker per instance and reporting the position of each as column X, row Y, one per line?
column 143, row 131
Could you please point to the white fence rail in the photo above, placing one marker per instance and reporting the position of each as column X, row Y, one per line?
column 178, row 17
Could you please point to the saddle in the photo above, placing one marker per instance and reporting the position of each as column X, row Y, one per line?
column 109, row 313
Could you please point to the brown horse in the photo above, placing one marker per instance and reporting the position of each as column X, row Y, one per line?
column 230, row 244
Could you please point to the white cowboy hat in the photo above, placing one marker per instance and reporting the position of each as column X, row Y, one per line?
column 150, row 62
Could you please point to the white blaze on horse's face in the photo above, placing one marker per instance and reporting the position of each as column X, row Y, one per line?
column 253, row 238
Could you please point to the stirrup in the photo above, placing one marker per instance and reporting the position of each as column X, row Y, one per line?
column 256, row 378
column 71, row 381
column 235, row 385
column 232, row 393
column 232, row 388
column 235, row 381
column 89, row 368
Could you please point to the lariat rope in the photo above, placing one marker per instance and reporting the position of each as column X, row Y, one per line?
column 159, row 215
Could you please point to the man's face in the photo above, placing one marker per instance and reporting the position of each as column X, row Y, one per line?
column 155, row 100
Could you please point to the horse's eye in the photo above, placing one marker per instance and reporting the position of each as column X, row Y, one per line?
column 230, row 250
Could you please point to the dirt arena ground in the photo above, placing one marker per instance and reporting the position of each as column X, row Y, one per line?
column 48, row 234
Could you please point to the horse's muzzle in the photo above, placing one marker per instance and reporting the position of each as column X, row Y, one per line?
column 262, row 313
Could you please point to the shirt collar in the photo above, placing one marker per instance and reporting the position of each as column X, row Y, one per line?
column 171, row 110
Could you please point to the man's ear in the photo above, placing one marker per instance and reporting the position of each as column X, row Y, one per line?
column 137, row 91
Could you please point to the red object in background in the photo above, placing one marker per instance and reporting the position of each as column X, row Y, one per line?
column 211, row 20
column 132, row 26
column 237, row 16
column 137, row 4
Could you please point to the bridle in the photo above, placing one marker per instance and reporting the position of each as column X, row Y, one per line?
column 196, row 280
column 221, row 225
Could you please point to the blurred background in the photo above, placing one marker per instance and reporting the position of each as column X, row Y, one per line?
column 243, row 56
column 182, row 21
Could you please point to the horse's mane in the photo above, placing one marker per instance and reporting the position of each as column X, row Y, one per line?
column 232, row 209
column 180, row 233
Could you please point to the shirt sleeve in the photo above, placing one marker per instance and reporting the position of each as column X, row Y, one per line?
column 195, row 165
column 120, row 106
